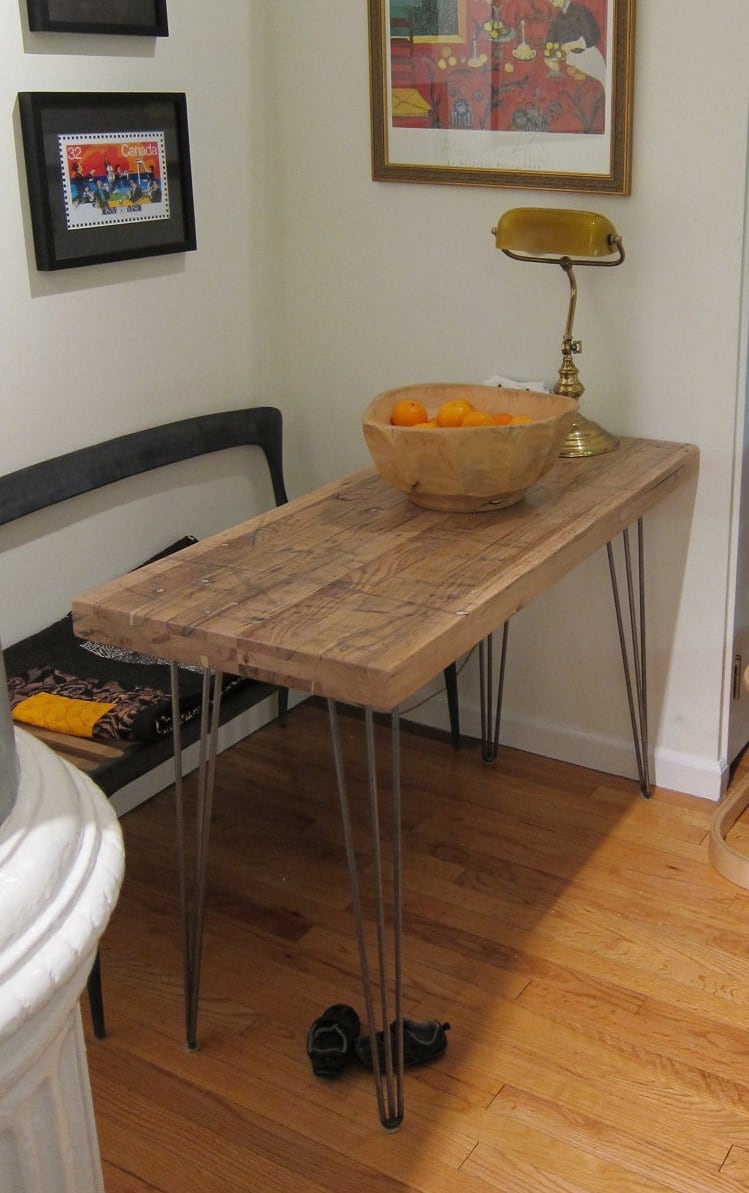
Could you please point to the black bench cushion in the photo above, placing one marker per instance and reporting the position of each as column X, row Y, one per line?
column 57, row 661
column 54, row 660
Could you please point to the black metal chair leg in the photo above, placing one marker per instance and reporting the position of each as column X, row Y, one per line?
column 637, row 693
column 451, row 688
column 96, row 999
column 490, row 716
column 283, row 705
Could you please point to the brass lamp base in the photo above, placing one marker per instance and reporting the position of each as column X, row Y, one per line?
column 587, row 438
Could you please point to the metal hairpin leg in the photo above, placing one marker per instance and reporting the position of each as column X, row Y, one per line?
column 192, row 888
column 388, row 1084
column 490, row 718
column 637, row 699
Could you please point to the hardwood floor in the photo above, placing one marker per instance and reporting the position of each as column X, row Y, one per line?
column 593, row 965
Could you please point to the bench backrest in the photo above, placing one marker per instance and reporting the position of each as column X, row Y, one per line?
column 51, row 481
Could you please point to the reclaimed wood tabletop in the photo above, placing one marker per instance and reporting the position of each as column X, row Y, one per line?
column 354, row 592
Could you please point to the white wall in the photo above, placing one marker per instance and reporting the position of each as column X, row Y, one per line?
column 388, row 283
column 316, row 288
column 90, row 353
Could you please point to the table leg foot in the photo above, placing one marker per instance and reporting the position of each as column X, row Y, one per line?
column 192, row 886
column 632, row 646
column 388, row 1069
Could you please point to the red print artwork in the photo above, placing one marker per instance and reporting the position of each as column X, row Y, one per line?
column 515, row 66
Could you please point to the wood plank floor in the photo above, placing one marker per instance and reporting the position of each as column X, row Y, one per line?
column 594, row 968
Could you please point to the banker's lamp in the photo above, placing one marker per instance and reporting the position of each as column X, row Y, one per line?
column 566, row 238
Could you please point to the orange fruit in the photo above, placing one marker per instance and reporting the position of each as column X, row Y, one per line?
column 476, row 418
column 408, row 413
column 501, row 419
column 517, row 419
column 450, row 414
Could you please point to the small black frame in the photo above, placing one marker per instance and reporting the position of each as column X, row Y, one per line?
column 145, row 18
column 108, row 175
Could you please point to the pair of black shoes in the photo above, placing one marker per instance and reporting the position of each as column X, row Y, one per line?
column 334, row 1039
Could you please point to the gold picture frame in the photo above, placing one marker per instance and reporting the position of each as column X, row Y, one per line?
column 534, row 94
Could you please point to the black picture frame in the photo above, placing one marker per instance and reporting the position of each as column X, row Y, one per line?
column 109, row 176
column 143, row 18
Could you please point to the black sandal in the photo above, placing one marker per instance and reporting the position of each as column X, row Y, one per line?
column 331, row 1040
column 422, row 1042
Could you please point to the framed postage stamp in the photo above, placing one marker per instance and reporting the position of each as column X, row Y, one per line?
column 135, row 17
column 108, row 176
column 520, row 93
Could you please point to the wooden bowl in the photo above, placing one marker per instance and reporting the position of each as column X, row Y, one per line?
column 467, row 469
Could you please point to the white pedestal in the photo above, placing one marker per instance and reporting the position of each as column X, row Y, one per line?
column 61, row 865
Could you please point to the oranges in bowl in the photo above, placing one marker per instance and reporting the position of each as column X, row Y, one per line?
column 455, row 412
column 408, row 412
column 470, row 447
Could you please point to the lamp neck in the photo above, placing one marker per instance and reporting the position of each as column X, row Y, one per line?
column 566, row 265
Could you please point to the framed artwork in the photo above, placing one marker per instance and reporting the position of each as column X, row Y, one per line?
column 108, row 176
column 142, row 17
column 519, row 93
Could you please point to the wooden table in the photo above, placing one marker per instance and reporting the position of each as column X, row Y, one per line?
column 358, row 595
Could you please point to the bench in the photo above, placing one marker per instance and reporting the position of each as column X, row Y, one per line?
column 114, row 764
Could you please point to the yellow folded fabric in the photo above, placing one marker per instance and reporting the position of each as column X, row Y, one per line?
column 60, row 713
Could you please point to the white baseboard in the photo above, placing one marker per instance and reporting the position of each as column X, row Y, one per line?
column 685, row 773
column 691, row 775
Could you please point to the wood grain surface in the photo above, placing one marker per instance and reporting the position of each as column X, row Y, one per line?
column 354, row 592
column 592, row 963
